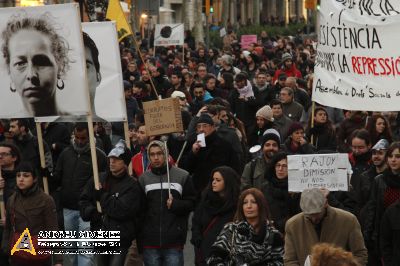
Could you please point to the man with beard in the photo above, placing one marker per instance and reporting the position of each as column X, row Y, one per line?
column 367, row 178
column 140, row 162
column 288, row 67
column 253, row 173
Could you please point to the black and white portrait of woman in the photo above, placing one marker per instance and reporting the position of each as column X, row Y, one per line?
column 43, row 62
column 103, row 67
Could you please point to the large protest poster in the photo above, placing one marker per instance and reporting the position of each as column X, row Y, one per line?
column 107, row 93
column 358, row 59
column 168, row 34
column 42, row 66
column 328, row 171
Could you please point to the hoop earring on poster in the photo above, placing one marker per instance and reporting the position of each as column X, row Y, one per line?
column 12, row 90
column 60, row 84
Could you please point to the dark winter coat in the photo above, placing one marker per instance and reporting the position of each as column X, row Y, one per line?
column 324, row 137
column 29, row 148
column 390, row 235
column 9, row 177
column 163, row 227
column 32, row 209
column 306, row 148
column 282, row 205
column 58, row 134
column 73, row 172
column 208, row 220
column 282, row 124
column 120, row 200
column 364, row 191
column 245, row 110
column 293, row 110
column 376, row 206
column 359, row 164
column 217, row 152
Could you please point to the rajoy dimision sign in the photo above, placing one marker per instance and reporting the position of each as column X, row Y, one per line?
column 357, row 64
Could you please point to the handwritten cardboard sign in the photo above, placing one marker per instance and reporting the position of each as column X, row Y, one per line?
column 162, row 116
column 246, row 40
column 318, row 171
column 357, row 65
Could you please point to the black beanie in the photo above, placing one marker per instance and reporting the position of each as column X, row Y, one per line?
column 271, row 134
column 205, row 118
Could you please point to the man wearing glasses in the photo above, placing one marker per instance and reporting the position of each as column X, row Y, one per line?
column 318, row 223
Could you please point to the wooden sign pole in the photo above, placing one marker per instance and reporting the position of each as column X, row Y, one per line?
column 128, row 144
column 41, row 154
column 2, row 207
column 94, row 156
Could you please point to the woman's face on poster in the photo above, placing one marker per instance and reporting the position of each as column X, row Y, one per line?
column 33, row 67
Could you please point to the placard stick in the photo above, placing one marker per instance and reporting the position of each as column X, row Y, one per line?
column 180, row 153
column 41, row 154
column 312, row 121
column 94, row 156
column 2, row 207
column 128, row 144
column 167, row 163
column 183, row 54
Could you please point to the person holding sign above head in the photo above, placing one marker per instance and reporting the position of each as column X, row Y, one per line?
column 318, row 222
column 37, row 59
column 29, row 208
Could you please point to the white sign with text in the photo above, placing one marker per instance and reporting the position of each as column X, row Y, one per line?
column 357, row 65
column 318, row 171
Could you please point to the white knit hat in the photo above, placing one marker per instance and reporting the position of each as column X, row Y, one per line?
column 266, row 113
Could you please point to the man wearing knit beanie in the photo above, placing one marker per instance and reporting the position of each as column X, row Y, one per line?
column 288, row 67
column 253, row 173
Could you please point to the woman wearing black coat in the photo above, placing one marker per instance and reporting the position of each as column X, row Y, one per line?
column 217, row 208
column 324, row 136
column 282, row 204
column 385, row 191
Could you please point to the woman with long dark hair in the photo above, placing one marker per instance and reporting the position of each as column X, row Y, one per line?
column 379, row 128
column 217, row 208
column 250, row 239
column 322, row 132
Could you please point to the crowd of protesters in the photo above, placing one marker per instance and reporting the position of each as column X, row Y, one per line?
column 254, row 107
